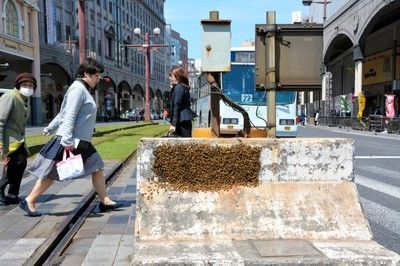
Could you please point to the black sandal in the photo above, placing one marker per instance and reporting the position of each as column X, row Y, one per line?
column 109, row 207
column 24, row 206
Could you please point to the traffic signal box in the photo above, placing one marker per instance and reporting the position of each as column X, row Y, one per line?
column 298, row 56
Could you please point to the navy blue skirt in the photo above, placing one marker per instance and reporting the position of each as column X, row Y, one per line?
column 44, row 165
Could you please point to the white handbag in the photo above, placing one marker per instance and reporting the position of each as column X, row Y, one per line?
column 70, row 167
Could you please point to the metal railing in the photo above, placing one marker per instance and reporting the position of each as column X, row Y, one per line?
column 375, row 123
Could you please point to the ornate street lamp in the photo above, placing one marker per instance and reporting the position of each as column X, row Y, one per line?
column 147, row 47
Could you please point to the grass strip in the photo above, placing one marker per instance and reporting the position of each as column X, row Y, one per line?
column 112, row 142
column 125, row 142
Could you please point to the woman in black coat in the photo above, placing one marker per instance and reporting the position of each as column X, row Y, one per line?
column 180, row 113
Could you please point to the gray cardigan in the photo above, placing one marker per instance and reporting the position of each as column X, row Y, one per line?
column 77, row 116
column 14, row 113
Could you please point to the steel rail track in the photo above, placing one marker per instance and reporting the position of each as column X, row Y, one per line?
column 52, row 248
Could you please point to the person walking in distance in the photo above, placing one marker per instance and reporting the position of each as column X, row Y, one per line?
column 75, row 124
column 180, row 113
column 14, row 114
column 303, row 118
column 316, row 117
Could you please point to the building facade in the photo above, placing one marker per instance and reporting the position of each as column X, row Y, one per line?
column 19, row 47
column 361, row 56
column 178, row 55
column 109, row 27
column 179, row 47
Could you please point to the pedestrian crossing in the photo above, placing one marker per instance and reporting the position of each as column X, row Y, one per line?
column 381, row 171
column 373, row 184
column 377, row 157
column 381, row 203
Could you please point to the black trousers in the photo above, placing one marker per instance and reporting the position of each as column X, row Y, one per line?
column 14, row 170
column 184, row 129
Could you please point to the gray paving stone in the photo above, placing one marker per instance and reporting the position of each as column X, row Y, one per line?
column 20, row 228
column 112, row 229
column 88, row 233
column 130, row 189
column 8, row 220
column 6, row 244
column 41, row 230
column 103, row 250
column 130, row 229
column 133, row 215
column 6, row 209
column 21, row 235
column 22, row 249
column 125, row 251
column 80, row 246
column 13, row 262
column 118, row 219
column 73, row 260
column 90, row 223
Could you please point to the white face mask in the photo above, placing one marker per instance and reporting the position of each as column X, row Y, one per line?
column 27, row 92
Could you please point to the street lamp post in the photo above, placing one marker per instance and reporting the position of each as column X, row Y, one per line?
column 147, row 47
column 325, row 3
column 82, row 31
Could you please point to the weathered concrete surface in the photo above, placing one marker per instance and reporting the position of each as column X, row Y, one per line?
column 277, row 210
column 303, row 190
column 244, row 252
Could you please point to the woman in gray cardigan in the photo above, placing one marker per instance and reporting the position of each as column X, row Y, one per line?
column 75, row 124
column 14, row 113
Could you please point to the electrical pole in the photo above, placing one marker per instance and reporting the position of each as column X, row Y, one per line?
column 271, row 77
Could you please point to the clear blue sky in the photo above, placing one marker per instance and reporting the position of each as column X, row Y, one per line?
column 185, row 17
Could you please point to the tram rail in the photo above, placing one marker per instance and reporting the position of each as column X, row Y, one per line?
column 51, row 250
column 54, row 246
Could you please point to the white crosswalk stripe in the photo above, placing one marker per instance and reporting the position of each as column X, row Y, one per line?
column 376, row 212
column 381, row 171
column 377, row 157
column 378, row 186
column 386, row 217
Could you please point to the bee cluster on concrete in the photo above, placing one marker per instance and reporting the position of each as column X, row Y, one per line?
column 199, row 167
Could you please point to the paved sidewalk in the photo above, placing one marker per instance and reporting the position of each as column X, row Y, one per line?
column 21, row 235
column 107, row 238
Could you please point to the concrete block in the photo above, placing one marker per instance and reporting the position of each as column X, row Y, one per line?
column 202, row 201
column 262, row 198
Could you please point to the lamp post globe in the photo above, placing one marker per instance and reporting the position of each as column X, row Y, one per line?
column 156, row 31
column 137, row 31
column 146, row 47
column 307, row 2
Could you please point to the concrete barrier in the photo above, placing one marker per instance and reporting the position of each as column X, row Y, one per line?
column 251, row 201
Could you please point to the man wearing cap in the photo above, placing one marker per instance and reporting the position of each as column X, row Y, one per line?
column 14, row 113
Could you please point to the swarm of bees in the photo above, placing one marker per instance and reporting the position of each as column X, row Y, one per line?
column 200, row 167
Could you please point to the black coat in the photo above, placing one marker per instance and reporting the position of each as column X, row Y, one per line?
column 180, row 104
